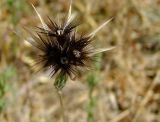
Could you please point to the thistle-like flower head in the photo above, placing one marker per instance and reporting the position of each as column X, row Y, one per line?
column 61, row 50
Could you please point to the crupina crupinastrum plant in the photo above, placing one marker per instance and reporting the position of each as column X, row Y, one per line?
column 62, row 50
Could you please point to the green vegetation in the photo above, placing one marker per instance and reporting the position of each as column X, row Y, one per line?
column 123, row 86
column 5, row 76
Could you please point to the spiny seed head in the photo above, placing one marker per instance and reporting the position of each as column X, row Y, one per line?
column 57, row 30
column 61, row 50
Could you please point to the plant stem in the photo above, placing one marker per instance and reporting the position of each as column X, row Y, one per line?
column 59, row 83
column 92, row 80
column 90, row 108
column 59, row 92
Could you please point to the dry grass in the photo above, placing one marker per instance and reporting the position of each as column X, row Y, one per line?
column 129, row 87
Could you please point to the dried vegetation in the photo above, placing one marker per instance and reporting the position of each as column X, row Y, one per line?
column 128, row 87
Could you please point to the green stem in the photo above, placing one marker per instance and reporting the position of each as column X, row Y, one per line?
column 59, row 92
column 90, row 106
column 59, row 83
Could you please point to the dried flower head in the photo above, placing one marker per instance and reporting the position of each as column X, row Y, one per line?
column 62, row 50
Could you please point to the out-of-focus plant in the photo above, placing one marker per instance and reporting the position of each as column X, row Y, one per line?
column 92, row 80
column 16, row 9
column 64, row 52
column 5, row 76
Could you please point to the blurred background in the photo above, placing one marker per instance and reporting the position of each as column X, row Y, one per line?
column 125, row 83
